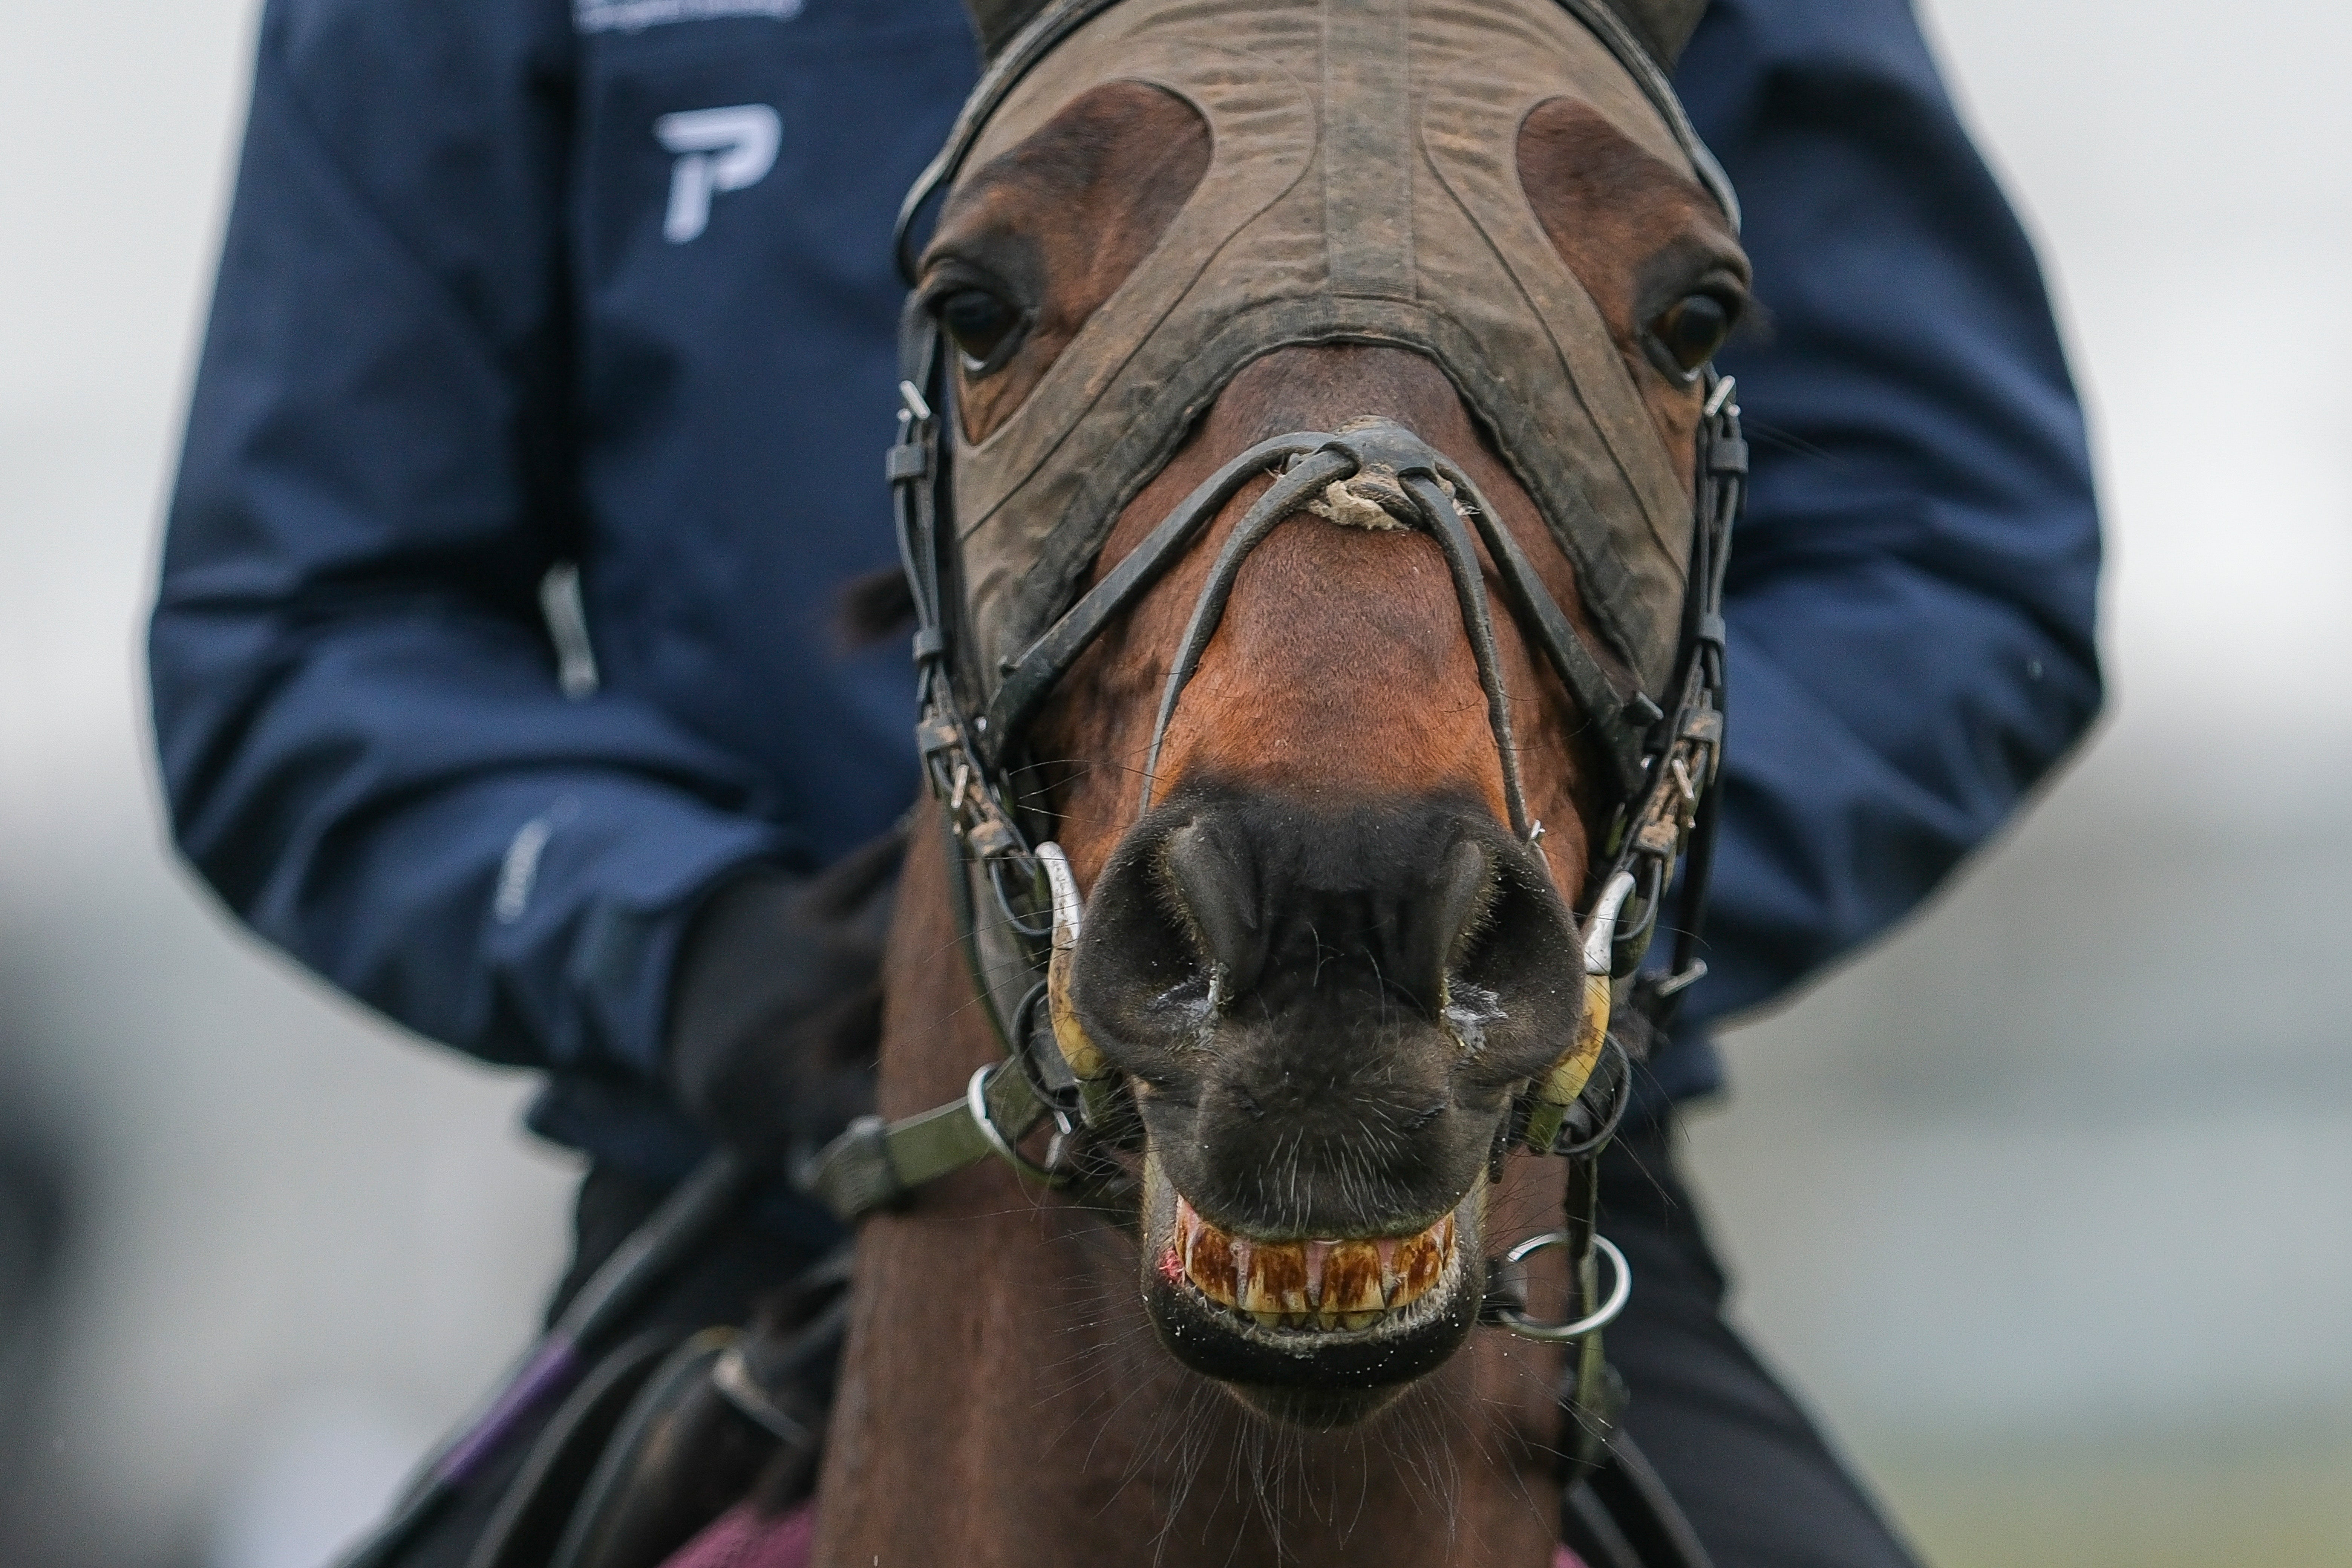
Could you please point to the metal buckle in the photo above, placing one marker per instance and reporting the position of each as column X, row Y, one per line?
column 1674, row 984
column 734, row 1380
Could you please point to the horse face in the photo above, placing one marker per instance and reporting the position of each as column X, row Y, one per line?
column 1323, row 959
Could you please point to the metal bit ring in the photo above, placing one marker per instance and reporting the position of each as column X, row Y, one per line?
column 975, row 1100
column 1622, row 1290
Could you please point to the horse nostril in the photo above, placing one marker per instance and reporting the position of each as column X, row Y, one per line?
column 1259, row 894
column 1324, row 951
column 1464, row 888
column 1214, row 884
column 1331, row 1001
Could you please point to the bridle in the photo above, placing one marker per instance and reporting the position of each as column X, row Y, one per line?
column 1023, row 882
column 1015, row 903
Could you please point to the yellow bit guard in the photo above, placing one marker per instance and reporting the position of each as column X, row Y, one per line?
column 1558, row 1088
column 1574, row 1069
column 1086, row 1061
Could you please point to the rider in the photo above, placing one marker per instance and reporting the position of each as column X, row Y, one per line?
column 513, row 288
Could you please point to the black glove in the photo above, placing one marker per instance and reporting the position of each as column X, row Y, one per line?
column 776, row 1002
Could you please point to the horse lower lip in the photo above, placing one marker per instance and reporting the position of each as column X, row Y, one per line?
column 1307, row 1284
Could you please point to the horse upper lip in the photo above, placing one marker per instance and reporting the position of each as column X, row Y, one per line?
column 1307, row 1283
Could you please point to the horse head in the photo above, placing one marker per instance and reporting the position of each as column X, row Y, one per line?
column 1308, row 487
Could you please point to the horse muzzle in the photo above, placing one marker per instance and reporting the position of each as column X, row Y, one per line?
column 1314, row 1332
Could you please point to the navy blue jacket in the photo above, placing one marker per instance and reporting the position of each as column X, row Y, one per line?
column 485, row 307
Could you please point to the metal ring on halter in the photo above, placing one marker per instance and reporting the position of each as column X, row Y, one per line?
column 975, row 1100
column 1519, row 1323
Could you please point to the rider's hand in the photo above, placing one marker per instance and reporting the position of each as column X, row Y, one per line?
column 776, row 1004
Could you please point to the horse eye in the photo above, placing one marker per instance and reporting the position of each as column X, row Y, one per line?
column 980, row 323
column 1692, row 328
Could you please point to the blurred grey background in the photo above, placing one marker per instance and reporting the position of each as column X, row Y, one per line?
column 2045, row 1201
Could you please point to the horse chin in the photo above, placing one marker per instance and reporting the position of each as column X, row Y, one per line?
column 1314, row 1334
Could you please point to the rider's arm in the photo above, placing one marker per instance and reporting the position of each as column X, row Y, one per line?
column 1912, row 591
column 363, row 739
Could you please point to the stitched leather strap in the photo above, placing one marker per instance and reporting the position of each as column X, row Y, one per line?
column 876, row 1163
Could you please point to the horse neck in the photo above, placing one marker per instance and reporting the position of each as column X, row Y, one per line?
column 1004, row 1402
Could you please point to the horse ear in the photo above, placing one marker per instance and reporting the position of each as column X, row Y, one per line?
column 1662, row 25
column 997, row 20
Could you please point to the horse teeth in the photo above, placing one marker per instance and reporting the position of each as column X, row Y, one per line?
column 1352, row 1280
column 1308, row 1284
column 1209, row 1256
column 1418, row 1267
column 1275, row 1280
column 1420, row 1261
column 1319, row 1254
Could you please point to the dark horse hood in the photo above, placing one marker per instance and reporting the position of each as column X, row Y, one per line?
column 1363, row 187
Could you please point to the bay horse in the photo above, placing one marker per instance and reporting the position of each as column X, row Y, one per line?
column 1258, row 350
